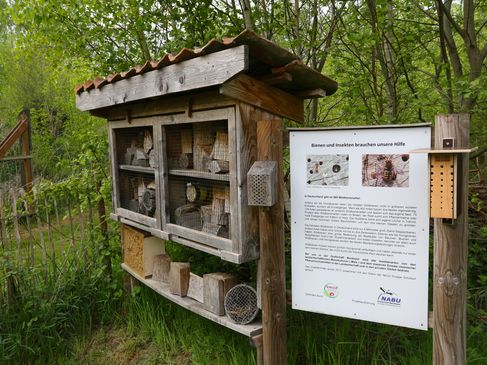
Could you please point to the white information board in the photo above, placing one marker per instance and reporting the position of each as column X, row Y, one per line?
column 359, row 210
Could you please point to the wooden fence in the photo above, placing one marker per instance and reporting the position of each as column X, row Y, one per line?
column 50, row 230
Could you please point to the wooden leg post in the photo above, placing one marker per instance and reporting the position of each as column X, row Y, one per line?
column 450, row 256
column 257, row 343
column 272, row 264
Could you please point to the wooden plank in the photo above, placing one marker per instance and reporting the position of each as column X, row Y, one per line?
column 249, row 330
column 271, row 228
column 16, row 158
column 19, row 129
column 201, row 116
column 159, row 213
column 210, row 70
column 453, row 150
column 257, row 93
column 153, row 231
column 450, row 256
column 246, row 139
column 201, row 237
column 137, row 217
column 200, row 175
column 209, row 99
column 26, row 163
column 163, row 176
column 145, row 170
column 112, row 150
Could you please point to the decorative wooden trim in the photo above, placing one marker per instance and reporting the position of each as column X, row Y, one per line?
column 210, row 70
column 258, row 93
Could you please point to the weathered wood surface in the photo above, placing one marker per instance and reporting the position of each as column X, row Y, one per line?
column 450, row 257
column 258, row 93
column 137, row 217
column 142, row 169
column 209, row 99
column 20, row 128
column 162, row 266
column 179, row 278
column 210, row 70
column 201, row 237
column 249, row 330
column 199, row 175
column 272, row 263
column 195, row 289
column 216, row 286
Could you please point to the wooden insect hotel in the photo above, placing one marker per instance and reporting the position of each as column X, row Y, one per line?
column 183, row 135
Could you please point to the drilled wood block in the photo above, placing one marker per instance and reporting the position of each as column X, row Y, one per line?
column 179, row 278
column 216, row 286
column 162, row 267
column 195, row 289
column 139, row 250
column 443, row 187
column 186, row 141
column 220, row 148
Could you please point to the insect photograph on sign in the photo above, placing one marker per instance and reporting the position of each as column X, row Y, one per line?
column 327, row 170
column 385, row 170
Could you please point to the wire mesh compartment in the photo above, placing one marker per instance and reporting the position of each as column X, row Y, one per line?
column 137, row 161
column 200, row 147
column 241, row 304
column 200, row 204
column 138, row 192
column 198, row 186
column 135, row 147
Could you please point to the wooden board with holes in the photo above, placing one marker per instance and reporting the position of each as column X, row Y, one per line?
column 442, row 186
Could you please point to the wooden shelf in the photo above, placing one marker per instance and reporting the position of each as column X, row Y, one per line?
column 200, row 175
column 249, row 330
column 145, row 170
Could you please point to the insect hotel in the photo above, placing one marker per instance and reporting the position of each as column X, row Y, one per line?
column 184, row 137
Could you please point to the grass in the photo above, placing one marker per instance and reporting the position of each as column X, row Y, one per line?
column 81, row 317
column 155, row 331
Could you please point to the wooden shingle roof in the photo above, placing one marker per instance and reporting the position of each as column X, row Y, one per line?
column 266, row 61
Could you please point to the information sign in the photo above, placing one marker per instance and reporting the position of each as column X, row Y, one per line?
column 360, row 225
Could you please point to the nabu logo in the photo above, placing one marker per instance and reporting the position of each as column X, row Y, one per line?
column 389, row 298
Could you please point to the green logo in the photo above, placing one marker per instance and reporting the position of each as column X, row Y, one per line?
column 330, row 290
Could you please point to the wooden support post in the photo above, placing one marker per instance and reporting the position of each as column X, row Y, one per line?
column 450, row 256
column 25, row 146
column 272, row 264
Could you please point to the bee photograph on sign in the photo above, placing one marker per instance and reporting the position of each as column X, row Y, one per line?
column 385, row 170
column 330, row 170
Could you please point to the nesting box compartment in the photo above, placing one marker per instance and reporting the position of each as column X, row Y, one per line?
column 139, row 250
column 443, row 190
column 180, row 177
